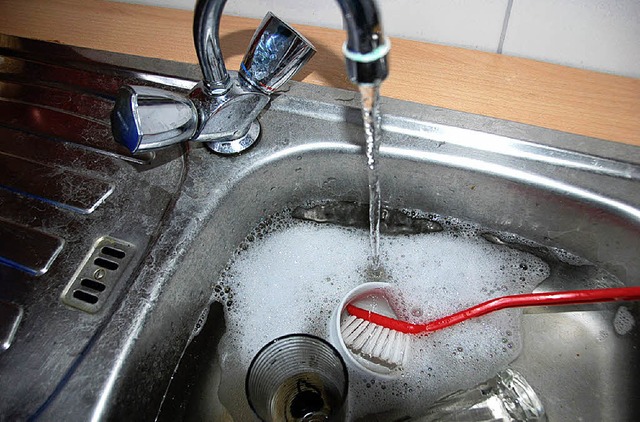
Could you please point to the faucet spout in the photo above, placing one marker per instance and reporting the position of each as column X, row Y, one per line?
column 366, row 47
column 365, row 50
column 206, row 28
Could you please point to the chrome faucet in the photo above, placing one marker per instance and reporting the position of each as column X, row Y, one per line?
column 222, row 110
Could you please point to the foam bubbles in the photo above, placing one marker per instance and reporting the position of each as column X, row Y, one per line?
column 289, row 276
column 624, row 321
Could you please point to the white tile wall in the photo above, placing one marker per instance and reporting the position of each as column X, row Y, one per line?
column 463, row 23
column 310, row 12
column 602, row 35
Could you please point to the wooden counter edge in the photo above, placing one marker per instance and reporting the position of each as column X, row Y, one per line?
column 526, row 91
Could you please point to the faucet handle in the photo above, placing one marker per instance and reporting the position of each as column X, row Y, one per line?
column 145, row 118
column 276, row 53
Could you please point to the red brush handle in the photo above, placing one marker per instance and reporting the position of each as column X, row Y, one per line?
column 572, row 297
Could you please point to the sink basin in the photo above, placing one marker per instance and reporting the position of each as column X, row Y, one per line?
column 140, row 356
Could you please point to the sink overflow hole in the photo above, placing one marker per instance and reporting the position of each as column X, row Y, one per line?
column 93, row 285
column 113, row 252
column 106, row 264
column 85, row 297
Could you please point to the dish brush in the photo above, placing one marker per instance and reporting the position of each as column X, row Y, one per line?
column 382, row 337
column 375, row 342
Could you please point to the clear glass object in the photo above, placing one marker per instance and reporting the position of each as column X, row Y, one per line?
column 297, row 377
column 506, row 397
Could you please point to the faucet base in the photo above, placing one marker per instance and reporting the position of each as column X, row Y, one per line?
column 238, row 145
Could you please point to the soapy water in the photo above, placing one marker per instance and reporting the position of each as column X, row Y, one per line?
column 289, row 275
column 623, row 322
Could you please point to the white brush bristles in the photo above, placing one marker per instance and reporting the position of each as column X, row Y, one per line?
column 375, row 343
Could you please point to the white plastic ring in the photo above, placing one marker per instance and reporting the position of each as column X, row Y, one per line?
column 375, row 54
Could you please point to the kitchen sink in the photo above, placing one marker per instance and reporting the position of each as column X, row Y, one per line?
column 149, row 346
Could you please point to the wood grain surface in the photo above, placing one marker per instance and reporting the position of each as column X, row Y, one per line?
column 542, row 94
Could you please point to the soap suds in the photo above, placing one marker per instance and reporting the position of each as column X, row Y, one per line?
column 290, row 275
column 624, row 321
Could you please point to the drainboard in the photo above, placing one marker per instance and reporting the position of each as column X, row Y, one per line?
column 186, row 211
column 64, row 185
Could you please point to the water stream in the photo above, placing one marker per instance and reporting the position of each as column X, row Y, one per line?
column 371, row 120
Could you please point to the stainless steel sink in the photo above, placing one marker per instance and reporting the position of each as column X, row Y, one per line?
column 185, row 210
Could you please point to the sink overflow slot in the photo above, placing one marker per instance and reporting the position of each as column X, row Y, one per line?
column 85, row 297
column 106, row 264
column 98, row 274
column 113, row 252
column 93, row 284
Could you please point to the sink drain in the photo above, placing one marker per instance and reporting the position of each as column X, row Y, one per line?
column 98, row 275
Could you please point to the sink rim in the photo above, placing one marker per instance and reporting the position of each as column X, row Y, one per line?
column 199, row 203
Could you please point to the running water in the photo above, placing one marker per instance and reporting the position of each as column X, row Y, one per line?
column 371, row 119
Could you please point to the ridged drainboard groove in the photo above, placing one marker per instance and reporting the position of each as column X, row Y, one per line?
column 28, row 249
column 54, row 185
column 98, row 275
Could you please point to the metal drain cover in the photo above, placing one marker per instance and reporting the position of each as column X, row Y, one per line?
column 98, row 275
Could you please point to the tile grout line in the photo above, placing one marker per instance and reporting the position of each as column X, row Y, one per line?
column 505, row 26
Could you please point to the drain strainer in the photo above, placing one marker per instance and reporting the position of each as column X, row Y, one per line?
column 98, row 275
